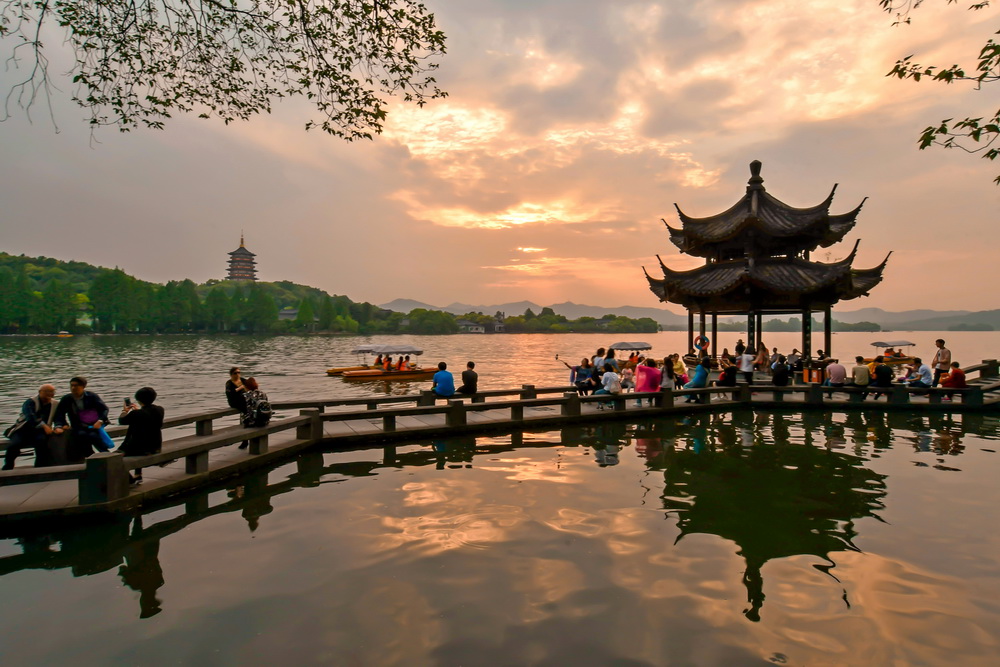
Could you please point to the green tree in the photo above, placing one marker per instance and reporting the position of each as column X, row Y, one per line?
column 973, row 134
column 218, row 310
column 262, row 311
column 327, row 315
column 137, row 63
column 305, row 318
column 57, row 309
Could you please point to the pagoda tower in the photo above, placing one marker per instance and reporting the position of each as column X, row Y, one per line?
column 757, row 262
column 242, row 265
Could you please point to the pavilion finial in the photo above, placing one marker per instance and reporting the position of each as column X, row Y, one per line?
column 242, row 245
column 755, row 182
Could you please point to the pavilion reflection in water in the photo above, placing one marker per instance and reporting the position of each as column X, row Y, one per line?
column 732, row 475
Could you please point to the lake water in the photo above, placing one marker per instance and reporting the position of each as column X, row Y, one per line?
column 746, row 538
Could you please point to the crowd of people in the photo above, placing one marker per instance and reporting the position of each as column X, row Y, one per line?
column 603, row 373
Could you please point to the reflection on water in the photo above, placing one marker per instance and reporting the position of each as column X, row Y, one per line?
column 523, row 547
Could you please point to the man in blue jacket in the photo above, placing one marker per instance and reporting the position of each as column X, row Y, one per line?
column 444, row 383
column 32, row 427
column 87, row 413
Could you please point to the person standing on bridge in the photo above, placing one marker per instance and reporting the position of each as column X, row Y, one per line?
column 145, row 428
column 32, row 428
column 942, row 361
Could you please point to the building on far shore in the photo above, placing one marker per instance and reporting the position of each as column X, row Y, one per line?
column 242, row 265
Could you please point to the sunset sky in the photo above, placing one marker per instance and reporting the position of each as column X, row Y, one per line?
column 571, row 129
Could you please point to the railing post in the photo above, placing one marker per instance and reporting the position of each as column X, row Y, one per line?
column 618, row 401
column 992, row 368
column 203, row 427
column 934, row 397
column 528, row 392
column 478, row 398
column 856, row 396
column 814, row 394
column 312, row 430
column 900, row 394
column 456, row 414
column 258, row 445
column 571, row 405
column 517, row 413
column 777, row 395
column 371, row 405
column 196, row 463
column 974, row 396
column 104, row 479
column 426, row 398
column 667, row 398
column 388, row 423
column 744, row 394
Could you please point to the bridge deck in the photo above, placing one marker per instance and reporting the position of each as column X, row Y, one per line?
column 61, row 497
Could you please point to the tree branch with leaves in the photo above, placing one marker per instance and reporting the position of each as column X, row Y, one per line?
column 136, row 63
column 971, row 134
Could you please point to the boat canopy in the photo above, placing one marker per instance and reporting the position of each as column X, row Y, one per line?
column 631, row 346
column 364, row 349
column 892, row 343
column 396, row 349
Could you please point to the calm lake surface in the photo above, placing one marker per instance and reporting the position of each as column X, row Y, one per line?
column 735, row 539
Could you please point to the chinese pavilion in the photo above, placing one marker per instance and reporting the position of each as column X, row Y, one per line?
column 242, row 265
column 757, row 262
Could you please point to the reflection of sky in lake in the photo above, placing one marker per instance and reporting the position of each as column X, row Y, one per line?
column 729, row 539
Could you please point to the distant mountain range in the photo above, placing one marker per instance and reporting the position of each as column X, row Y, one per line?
column 905, row 320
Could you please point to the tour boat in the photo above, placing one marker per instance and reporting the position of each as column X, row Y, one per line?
column 64, row 334
column 362, row 364
column 898, row 357
column 382, row 374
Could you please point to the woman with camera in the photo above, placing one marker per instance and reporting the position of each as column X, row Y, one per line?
column 145, row 426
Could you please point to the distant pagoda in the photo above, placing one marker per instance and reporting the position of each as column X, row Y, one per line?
column 242, row 265
column 757, row 262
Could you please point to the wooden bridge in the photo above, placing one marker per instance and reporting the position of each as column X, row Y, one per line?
column 192, row 461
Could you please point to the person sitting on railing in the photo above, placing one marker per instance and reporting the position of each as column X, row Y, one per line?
column 258, row 411
column 680, row 370
column 923, row 378
column 85, row 413
column 581, row 376
column 955, row 379
column 470, row 380
column 668, row 380
column 611, row 383
column 236, row 395
column 444, row 383
column 700, row 379
column 145, row 428
column 882, row 375
column 727, row 373
column 781, row 372
column 860, row 375
column 32, row 428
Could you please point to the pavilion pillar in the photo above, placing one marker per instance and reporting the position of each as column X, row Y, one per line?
column 701, row 330
column 715, row 335
column 828, row 331
column 760, row 331
column 690, row 344
column 807, row 334
column 751, row 330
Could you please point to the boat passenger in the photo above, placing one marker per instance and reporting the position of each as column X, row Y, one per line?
column 407, row 364
column 387, row 364
column 378, row 362
column 400, row 363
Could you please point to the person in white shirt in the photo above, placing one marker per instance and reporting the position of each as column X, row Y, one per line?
column 746, row 364
column 942, row 361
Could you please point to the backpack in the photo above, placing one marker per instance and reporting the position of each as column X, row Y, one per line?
column 615, row 387
column 262, row 414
